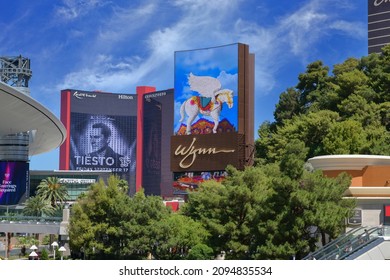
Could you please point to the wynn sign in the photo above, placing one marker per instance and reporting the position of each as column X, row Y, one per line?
column 213, row 118
column 206, row 152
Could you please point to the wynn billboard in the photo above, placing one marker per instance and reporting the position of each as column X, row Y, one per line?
column 213, row 116
column 14, row 185
column 102, row 132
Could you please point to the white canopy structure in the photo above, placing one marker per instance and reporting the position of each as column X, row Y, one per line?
column 20, row 113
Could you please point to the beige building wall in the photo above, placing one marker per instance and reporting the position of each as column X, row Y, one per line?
column 370, row 184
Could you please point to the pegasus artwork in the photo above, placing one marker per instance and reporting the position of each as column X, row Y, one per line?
column 209, row 103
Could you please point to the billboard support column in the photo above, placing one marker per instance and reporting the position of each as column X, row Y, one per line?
column 141, row 91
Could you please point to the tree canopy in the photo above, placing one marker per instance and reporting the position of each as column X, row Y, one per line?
column 346, row 111
column 49, row 200
column 52, row 190
column 271, row 211
column 108, row 224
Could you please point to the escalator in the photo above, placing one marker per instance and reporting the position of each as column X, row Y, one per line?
column 352, row 244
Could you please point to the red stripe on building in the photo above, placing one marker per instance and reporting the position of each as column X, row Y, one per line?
column 65, row 119
column 387, row 211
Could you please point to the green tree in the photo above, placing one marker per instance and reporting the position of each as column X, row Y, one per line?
column 177, row 235
column 228, row 210
column 288, row 105
column 346, row 111
column 108, row 224
column 37, row 206
column 269, row 212
column 44, row 254
column 345, row 137
column 200, row 252
column 52, row 190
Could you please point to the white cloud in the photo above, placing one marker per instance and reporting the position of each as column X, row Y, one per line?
column 199, row 24
column 303, row 28
column 228, row 81
column 123, row 23
column 72, row 9
column 352, row 29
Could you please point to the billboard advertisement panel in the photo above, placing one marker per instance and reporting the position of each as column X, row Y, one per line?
column 14, row 185
column 206, row 90
column 103, row 133
column 190, row 181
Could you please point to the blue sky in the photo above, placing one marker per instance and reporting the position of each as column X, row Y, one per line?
column 117, row 45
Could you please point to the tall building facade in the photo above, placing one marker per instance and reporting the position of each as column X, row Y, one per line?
column 157, row 107
column 125, row 134
column 378, row 25
column 102, row 129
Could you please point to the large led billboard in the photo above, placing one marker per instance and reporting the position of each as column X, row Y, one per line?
column 14, row 185
column 206, row 90
column 102, row 132
column 213, row 113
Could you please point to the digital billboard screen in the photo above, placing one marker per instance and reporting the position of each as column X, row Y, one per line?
column 185, row 182
column 206, row 90
column 103, row 129
column 102, row 142
column 14, row 185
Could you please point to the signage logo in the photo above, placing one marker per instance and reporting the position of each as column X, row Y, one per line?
column 82, row 95
column 189, row 153
column 122, row 96
column 379, row 2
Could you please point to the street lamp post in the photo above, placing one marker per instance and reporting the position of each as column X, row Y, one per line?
column 62, row 250
column 33, row 254
column 54, row 244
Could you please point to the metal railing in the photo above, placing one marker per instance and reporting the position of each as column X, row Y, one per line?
column 26, row 219
column 349, row 243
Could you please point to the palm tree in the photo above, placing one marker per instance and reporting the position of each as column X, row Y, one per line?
column 37, row 206
column 52, row 190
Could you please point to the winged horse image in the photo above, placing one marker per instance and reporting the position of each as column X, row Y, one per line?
column 210, row 88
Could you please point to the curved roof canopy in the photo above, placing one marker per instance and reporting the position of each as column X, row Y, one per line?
column 347, row 162
column 20, row 113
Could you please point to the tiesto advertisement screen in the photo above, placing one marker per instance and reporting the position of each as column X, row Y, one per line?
column 103, row 142
column 14, row 183
column 103, row 133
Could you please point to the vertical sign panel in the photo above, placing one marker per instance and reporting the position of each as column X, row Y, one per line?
column 14, row 185
column 103, row 133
